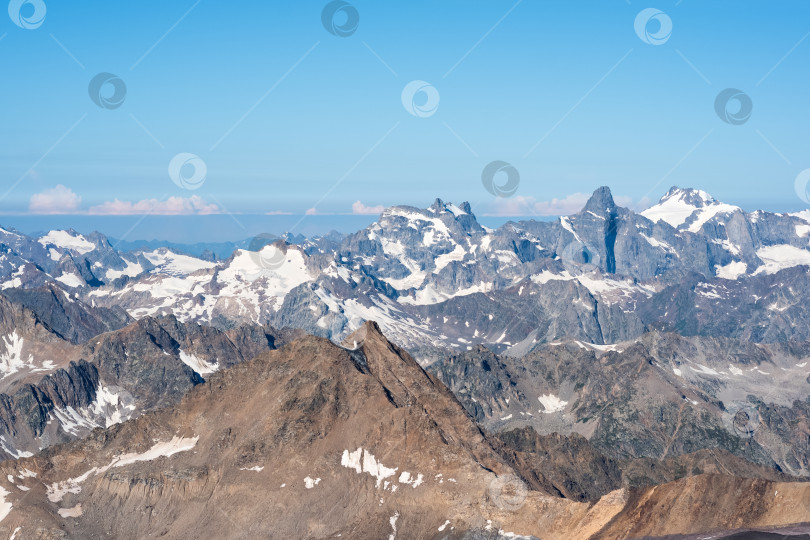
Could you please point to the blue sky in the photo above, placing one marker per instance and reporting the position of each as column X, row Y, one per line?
column 289, row 118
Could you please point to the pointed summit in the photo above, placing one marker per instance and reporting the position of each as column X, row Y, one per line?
column 601, row 202
column 368, row 330
column 437, row 207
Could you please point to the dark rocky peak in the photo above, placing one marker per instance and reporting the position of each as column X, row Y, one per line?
column 99, row 239
column 292, row 238
column 437, row 207
column 333, row 236
column 440, row 207
column 601, row 202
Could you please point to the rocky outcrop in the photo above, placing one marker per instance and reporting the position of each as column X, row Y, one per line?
column 661, row 397
column 147, row 365
column 67, row 316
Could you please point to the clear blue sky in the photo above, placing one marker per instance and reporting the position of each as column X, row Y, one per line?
column 610, row 109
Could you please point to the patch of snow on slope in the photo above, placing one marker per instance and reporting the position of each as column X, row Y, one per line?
column 16, row 278
column 370, row 465
column 566, row 224
column 5, row 506
column 602, row 348
column 516, row 536
column 376, row 469
column 456, row 255
column 707, row 213
column 169, row 262
column 73, row 421
column 160, row 449
column 657, row 243
column 734, row 370
column 132, row 269
column 406, row 478
column 65, row 240
column 12, row 360
column 779, row 257
column 10, row 450
column 58, row 490
column 200, row 366
column 545, row 276
column 551, row 403
column 393, row 521
column 392, row 321
column 732, row 270
column 429, row 295
column 71, row 280
column 112, row 407
column 351, row 460
column 804, row 215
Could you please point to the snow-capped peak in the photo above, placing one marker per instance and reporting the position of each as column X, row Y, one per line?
column 440, row 207
column 69, row 239
column 687, row 208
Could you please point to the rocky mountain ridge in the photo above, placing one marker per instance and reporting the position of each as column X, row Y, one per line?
column 606, row 274
column 149, row 364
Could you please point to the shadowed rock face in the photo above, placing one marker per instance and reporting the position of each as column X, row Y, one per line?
column 315, row 440
column 66, row 316
column 573, row 468
column 150, row 364
column 657, row 398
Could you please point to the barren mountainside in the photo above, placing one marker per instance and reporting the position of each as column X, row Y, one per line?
column 315, row 440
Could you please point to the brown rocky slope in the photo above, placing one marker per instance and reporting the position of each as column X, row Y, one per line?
column 319, row 441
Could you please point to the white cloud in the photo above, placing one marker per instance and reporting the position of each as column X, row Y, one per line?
column 173, row 206
column 361, row 209
column 57, row 200
column 312, row 212
column 62, row 200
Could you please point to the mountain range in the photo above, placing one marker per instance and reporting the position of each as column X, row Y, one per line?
column 608, row 374
column 603, row 275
